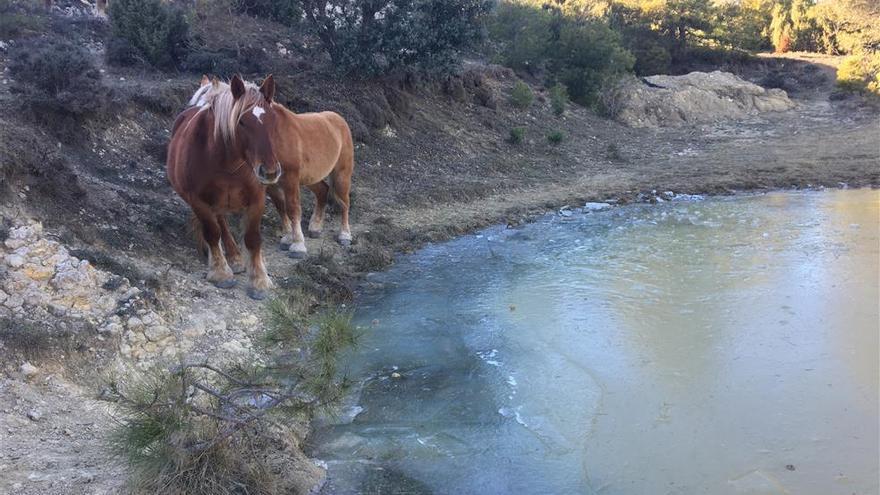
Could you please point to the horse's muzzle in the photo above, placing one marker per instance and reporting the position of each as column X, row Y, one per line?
column 268, row 178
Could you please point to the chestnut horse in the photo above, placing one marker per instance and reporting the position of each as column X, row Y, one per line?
column 312, row 147
column 221, row 157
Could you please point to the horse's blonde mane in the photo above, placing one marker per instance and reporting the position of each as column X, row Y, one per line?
column 227, row 110
column 206, row 93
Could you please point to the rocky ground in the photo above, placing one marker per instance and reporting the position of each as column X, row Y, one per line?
column 663, row 101
column 98, row 274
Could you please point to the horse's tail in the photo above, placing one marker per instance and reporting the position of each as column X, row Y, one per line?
column 329, row 181
column 198, row 234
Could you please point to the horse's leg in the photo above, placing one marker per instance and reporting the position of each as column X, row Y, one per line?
column 276, row 194
column 316, row 223
column 341, row 190
column 294, row 209
column 219, row 272
column 259, row 279
column 233, row 254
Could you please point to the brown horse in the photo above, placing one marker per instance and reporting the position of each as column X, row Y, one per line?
column 312, row 147
column 221, row 157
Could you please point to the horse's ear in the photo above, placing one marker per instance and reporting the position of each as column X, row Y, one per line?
column 268, row 88
column 204, row 80
column 215, row 82
column 237, row 86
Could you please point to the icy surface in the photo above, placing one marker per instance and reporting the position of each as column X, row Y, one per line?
column 719, row 346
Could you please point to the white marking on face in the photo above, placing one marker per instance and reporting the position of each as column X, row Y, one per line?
column 258, row 113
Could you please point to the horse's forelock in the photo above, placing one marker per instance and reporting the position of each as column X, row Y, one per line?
column 228, row 111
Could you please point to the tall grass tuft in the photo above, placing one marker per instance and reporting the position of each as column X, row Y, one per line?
column 521, row 95
column 558, row 99
column 555, row 137
column 517, row 135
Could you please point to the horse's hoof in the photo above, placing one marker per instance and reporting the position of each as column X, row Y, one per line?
column 315, row 234
column 297, row 255
column 284, row 246
column 225, row 284
column 257, row 294
column 345, row 243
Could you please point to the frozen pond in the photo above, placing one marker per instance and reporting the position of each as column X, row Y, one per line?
column 719, row 346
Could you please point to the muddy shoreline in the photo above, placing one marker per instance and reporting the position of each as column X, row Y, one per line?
column 421, row 225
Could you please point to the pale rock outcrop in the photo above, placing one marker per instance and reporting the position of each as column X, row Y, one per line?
column 661, row 101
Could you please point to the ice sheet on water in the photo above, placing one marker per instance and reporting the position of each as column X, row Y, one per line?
column 488, row 357
column 688, row 197
column 642, row 304
column 513, row 412
column 596, row 206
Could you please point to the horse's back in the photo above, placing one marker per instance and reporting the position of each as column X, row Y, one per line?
column 183, row 118
column 183, row 135
column 318, row 143
column 338, row 122
column 319, row 123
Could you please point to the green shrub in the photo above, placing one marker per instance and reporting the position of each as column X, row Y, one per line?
column 580, row 52
column 382, row 36
column 860, row 73
column 147, row 30
column 521, row 95
column 558, row 98
column 517, row 135
column 15, row 19
column 247, row 60
column 520, row 30
column 612, row 152
column 651, row 49
column 848, row 26
column 58, row 76
column 53, row 67
column 744, row 25
column 555, row 137
column 288, row 12
column 651, row 59
column 589, row 57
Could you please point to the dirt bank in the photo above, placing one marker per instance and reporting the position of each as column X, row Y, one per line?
column 433, row 161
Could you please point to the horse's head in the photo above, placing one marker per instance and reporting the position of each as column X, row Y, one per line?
column 255, row 126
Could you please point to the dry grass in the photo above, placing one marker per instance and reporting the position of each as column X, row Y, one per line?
column 369, row 257
column 321, row 277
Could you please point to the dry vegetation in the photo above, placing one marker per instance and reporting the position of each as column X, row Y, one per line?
column 200, row 429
